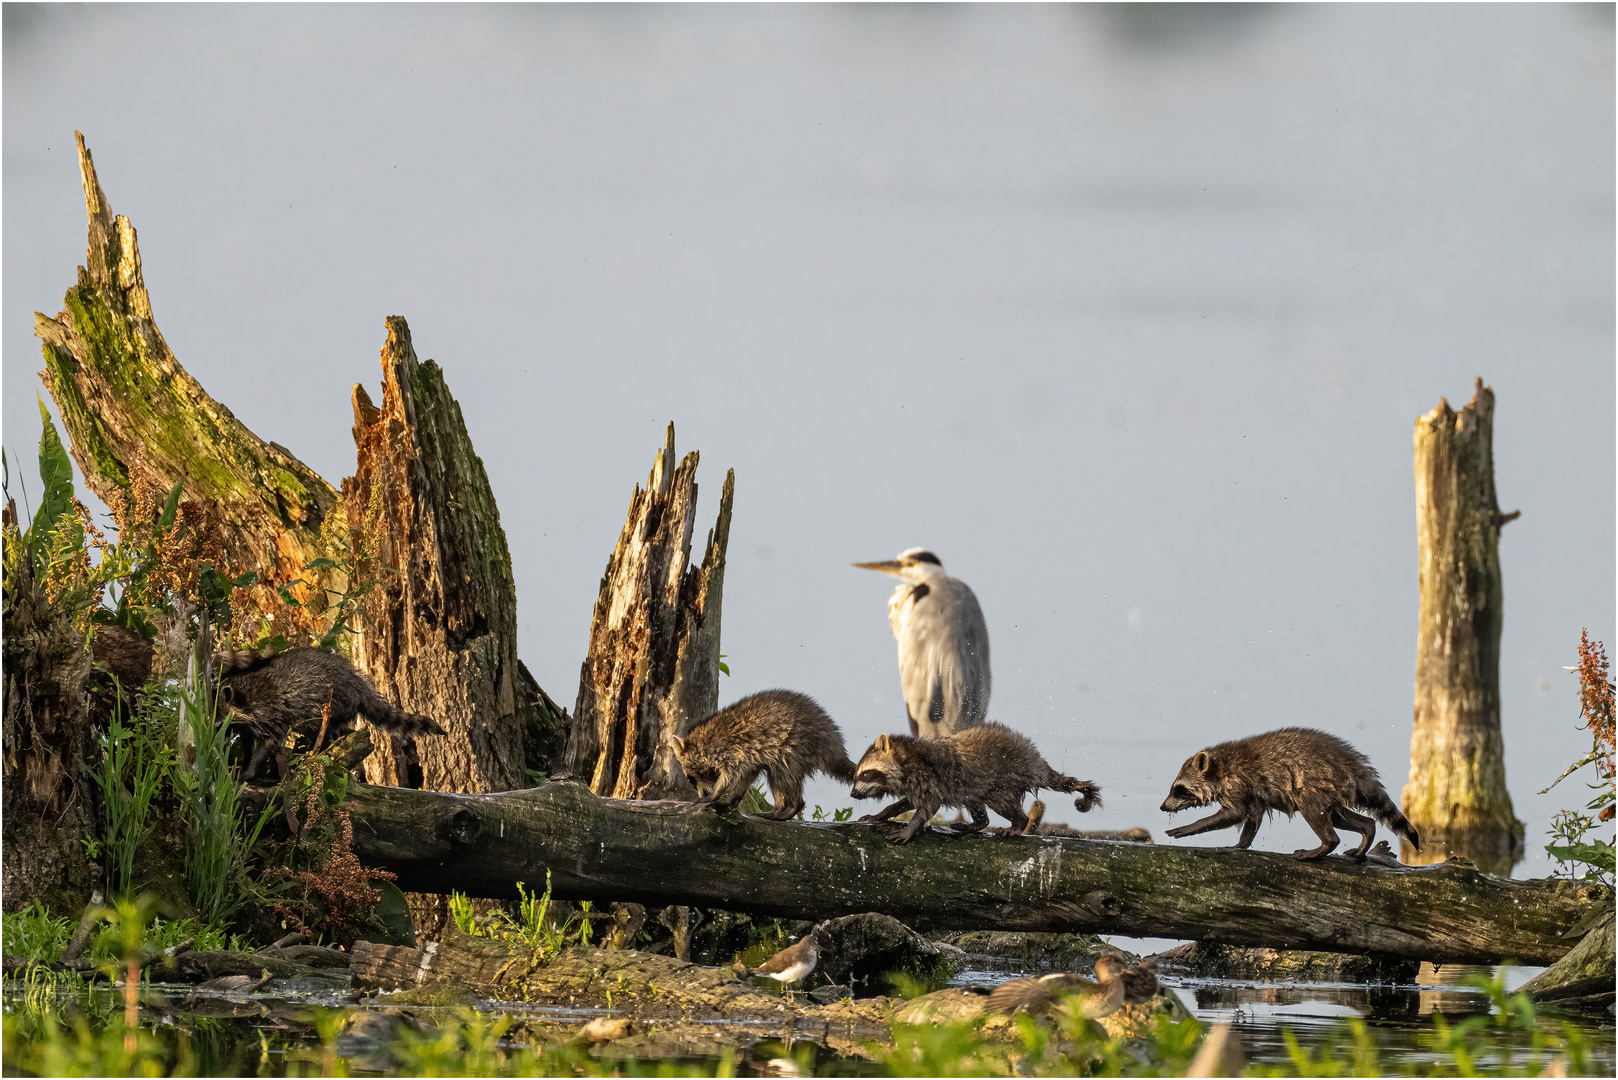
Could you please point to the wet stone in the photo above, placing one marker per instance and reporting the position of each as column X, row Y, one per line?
column 1211, row 960
column 1061, row 952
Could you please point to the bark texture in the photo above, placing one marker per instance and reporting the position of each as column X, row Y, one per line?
column 652, row 670
column 47, row 797
column 134, row 415
column 440, row 636
column 1581, row 981
column 665, row 853
column 440, row 633
column 1456, row 796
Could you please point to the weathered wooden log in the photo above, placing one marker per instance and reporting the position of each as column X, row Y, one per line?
column 1456, row 796
column 135, row 415
column 663, row 853
column 1581, row 981
column 652, row 669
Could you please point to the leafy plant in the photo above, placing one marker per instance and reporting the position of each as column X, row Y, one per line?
column 217, row 837
column 137, row 752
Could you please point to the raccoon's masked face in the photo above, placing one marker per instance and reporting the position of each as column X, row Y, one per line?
column 703, row 777
column 1191, row 787
column 878, row 773
column 704, row 780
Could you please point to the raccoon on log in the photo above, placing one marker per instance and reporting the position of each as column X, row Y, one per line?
column 781, row 733
column 985, row 766
column 1296, row 771
column 277, row 694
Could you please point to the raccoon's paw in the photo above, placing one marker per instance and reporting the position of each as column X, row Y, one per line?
column 1183, row 830
column 867, row 818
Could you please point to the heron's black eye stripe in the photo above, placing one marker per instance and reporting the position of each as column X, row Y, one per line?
column 919, row 591
column 926, row 556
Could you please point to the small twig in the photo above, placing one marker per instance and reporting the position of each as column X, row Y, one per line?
column 325, row 719
column 290, row 939
column 93, row 916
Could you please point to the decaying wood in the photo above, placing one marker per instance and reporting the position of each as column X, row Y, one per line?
column 135, row 415
column 46, row 793
column 1456, row 796
column 1581, row 981
column 441, row 633
column 652, row 669
column 665, row 853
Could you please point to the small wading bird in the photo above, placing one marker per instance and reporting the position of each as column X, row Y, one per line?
column 943, row 645
column 1038, row 996
column 791, row 964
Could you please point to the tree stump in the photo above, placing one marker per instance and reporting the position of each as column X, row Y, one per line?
column 46, row 795
column 134, row 415
column 440, row 632
column 652, row 670
column 1456, row 796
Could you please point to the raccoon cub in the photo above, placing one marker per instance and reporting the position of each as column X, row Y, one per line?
column 986, row 766
column 1296, row 771
column 276, row 694
column 781, row 733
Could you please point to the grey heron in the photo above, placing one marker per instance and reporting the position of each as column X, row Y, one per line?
column 943, row 645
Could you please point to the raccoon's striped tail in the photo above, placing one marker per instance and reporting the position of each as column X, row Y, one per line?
column 239, row 660
column 1089, row 794
column 400, row 722
column 1388, row 814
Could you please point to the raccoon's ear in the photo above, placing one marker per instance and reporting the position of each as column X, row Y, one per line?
column 679, row 745
column 1203, row 762
column 882, row 743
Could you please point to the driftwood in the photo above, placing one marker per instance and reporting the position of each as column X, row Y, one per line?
column 664, row 853
column 1456, row 795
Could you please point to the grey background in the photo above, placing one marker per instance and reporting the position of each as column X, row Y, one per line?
column 1127, row 313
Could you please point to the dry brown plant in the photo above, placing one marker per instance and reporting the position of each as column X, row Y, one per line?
column 1596, row 705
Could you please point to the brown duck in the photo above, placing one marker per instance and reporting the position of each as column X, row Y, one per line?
column 1038, row 996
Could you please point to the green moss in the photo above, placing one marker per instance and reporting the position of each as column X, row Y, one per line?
column 186, row 439
column 83, row 428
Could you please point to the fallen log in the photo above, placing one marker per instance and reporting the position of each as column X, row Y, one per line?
column 664, row 853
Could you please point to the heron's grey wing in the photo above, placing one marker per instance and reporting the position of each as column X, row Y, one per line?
column 944, row 657
column 913, row 626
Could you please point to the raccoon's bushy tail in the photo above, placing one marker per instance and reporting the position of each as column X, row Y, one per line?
column 842, row 769
column 384, row 715
column 1089, row 794
column 239, row 660
column 1379, row 804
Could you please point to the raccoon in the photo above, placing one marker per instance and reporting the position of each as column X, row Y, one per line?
column 1294, row 770
column 781, row 733
column 277, row 694
column 988, row 766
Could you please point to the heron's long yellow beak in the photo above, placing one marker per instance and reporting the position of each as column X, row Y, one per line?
column 887, row 566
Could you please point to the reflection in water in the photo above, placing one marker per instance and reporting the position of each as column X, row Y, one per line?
column 1400, row 1017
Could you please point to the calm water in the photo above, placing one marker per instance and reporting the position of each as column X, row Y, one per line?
column 236, row 1036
